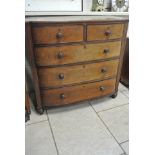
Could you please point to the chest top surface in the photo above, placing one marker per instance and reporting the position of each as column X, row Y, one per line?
column 75, row 19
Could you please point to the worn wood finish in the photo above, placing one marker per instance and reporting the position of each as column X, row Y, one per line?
column 70, row 60
column 125, row 66
column 29, row 47
column 57, row 34
column 104, row 32
column 67, row 95
column 121, row 56
column 27, row 102
column 27, row 105
column 67, row 54
column 75, row 74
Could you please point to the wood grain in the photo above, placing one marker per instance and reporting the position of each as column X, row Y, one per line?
column 125, row 66
column 97, row 32
column 77, row 93
column 29, row 47
column 47, row 34
column 27, row 102
column 76, row 53
column 82, row 71
column 76, row 74
column 121, row 56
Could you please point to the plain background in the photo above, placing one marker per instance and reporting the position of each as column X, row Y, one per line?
column 142, row 77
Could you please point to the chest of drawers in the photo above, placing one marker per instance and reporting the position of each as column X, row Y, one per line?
column 75, row 58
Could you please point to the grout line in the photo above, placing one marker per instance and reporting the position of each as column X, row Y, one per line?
column 124, row 94
column 52, row 133
column 36, row 122
column 108, row 129
column 91, row 100
column 123, row 90
column 123, row 87
column 124, row 142
column 113, row 108
column 126, row 89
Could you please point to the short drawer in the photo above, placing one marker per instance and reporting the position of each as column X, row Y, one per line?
column 57, row 34
column 76, row 53
column 104, row 32
column 66, row 95
column 60, row 76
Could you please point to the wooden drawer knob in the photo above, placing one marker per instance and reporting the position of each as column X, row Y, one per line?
column 59, row 35
column 106, row 50
column 61, row 76
column 62, row 96
column 102, row 88
column 60, row 55
column 107, row 32
column 103, row 70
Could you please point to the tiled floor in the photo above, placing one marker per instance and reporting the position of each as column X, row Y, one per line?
column 97, row 127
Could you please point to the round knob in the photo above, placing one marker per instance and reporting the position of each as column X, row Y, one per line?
column 62, row 96
column 103, row 70
column 61, row 76
column 106, row 50
column 59, row 35
column 107, row 32
column 60, row 55
column 102, row 88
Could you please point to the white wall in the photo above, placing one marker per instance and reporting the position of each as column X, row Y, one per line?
column 53, row 5
column 87, row 5
column 67, row 7
column 58, row 5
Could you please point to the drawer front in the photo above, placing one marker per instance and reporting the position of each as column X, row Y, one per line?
column 57, row 34
column 59, row 76
column 77, row 93
column 104, row 32
column 76, row 53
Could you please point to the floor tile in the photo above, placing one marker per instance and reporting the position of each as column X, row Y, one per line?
column 39, row 140
column 121, row 87
column 117, row 121
column 35, row 117
column 108, row 102
column 79, row 131
column 125, row 146
column 126, row 93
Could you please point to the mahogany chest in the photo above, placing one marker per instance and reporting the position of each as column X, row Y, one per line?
column 75, row 58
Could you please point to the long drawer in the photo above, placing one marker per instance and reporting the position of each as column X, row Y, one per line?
column 59, row 76
column 57, row 34
column 59, row 55
column 104, row 32
column 66, row 95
